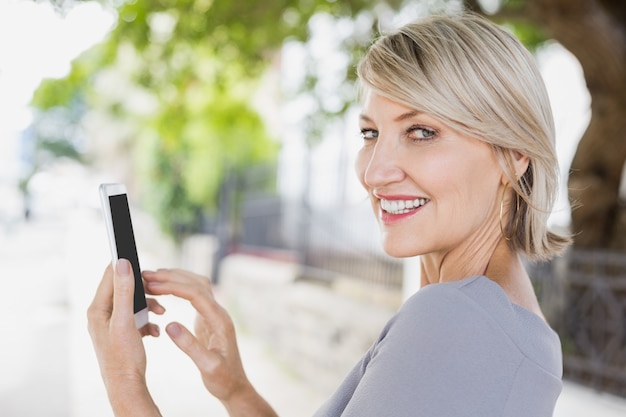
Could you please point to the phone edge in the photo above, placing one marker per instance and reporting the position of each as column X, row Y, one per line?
column 105, row 190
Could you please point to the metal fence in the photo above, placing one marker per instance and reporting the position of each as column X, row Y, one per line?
column 584, row 297
column 326, row 241
column 345, row 241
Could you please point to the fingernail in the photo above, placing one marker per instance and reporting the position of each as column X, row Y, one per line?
column 173, row 329
column 123, row 267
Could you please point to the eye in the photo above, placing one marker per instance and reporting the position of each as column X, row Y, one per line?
column 369, row 134
column 421, row 133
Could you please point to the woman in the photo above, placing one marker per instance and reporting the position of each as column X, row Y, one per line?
column 458, row 160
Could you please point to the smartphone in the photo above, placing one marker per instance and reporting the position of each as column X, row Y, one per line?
column 122, row 241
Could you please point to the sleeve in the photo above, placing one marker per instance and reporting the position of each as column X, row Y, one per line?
column 444, row 356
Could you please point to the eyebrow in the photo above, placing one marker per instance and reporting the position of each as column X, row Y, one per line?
column 401, row 118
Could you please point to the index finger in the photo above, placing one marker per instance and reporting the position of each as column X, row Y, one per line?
column 184, row 284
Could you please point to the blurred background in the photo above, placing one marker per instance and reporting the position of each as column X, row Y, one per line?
column 233, row 125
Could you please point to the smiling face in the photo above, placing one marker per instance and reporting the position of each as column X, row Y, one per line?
column 432, row 189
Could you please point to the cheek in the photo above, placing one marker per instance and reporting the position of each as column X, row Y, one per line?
column 360, row 165
column 468, row 181
column 474, row 186
column 439, row 175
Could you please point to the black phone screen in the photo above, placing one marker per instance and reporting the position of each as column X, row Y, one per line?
column 125, row 242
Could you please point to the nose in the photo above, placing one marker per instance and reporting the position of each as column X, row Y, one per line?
column 382, row 165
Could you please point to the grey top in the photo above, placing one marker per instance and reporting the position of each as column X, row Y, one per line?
column 456, row 349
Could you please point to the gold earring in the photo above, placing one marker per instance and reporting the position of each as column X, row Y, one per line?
column 508, row 238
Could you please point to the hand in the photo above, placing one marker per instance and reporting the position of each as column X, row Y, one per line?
column 117, row 341
column 214, row 348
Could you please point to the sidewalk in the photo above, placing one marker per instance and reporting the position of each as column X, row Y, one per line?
column 49, row 272
column 579, row 401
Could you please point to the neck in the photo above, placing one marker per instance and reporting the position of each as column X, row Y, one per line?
column 500, row 264
column 472, row 258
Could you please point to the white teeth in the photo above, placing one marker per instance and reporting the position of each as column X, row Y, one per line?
column 402, row 206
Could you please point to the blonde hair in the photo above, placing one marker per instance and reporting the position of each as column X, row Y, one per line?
column 479, row 79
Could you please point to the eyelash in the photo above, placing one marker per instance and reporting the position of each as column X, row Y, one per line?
column 365, row 132
column 432, row 133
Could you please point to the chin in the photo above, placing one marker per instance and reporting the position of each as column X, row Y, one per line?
column 401, row 255
column 397, row 250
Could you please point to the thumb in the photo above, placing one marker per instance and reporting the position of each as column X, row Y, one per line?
column 123, row 293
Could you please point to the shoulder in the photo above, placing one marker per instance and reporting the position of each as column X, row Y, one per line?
column 476, row 317
column 454, row 303
column 468, row 291
column 452, row 344
column 464, row 310
column 444, row 344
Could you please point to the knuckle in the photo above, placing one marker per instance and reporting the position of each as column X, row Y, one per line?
column 187, row 343
column 124, row 285
column 94, row 317
column 91, row 313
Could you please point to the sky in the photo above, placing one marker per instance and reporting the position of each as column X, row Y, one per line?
column 36, row 43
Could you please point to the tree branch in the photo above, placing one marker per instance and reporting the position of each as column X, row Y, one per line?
column 473, row 6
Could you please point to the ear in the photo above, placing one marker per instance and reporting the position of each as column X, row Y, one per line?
column 519, row 163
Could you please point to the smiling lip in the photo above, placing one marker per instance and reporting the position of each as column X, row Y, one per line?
column 394, row 209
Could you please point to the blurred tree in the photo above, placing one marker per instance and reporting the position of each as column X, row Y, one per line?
column 172, row 86
column 54, row 134
column 595, row 32
column 176, row 78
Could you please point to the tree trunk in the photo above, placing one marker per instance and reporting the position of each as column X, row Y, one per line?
column 596, row 175
column 595, row 32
